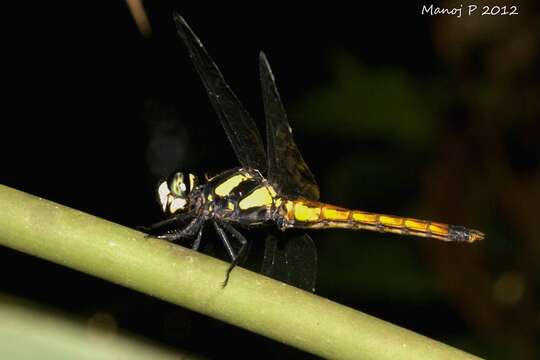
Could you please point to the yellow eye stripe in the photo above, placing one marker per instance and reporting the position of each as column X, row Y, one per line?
column 178, row 186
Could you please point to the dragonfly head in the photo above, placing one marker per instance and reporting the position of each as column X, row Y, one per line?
column 173, row 192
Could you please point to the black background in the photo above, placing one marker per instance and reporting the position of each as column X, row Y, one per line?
column 94, row 114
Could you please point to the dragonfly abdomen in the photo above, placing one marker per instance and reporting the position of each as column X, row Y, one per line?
column 315, row 215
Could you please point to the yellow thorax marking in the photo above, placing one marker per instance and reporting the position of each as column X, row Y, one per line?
column 228, row 185
column 258, row 197
column 192, row 181
column 272, row 191
column 230, row 205
column 304, row 212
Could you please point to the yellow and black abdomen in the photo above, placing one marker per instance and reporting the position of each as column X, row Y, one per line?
column 303, row 213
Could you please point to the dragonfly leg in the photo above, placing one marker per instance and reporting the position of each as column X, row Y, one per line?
column 238, row 236
column 156, row 226
column 189, row 231
column 225, row 240
column 234, row 256
column 197, row 243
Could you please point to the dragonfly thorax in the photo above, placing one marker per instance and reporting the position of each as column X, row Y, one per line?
column 174, row 192
column 241, row 196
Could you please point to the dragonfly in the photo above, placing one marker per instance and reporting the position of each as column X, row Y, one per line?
column 271, row 187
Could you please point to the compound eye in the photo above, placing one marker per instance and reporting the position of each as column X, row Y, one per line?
column 178, row 185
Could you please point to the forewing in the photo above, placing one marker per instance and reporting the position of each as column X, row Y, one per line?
column 292, row 259
column 238, row 124
column 287, row 171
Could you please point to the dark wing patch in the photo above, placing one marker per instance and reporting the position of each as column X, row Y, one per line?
column 292, row 259
column 287, row 171
column 238, row 124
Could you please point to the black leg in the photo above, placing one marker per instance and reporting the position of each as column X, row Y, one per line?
column 189, row 231
column 234, row 257
column 243, row 241
column 225, row 240
column 177, row 219
column 229, row 248
column 197, row 243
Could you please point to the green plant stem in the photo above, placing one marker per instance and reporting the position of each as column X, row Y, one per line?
column 194, row 281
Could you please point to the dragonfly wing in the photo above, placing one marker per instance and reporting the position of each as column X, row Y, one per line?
column 272, row 257
column 287, row 171
column 291, row 259
column 238, row 124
